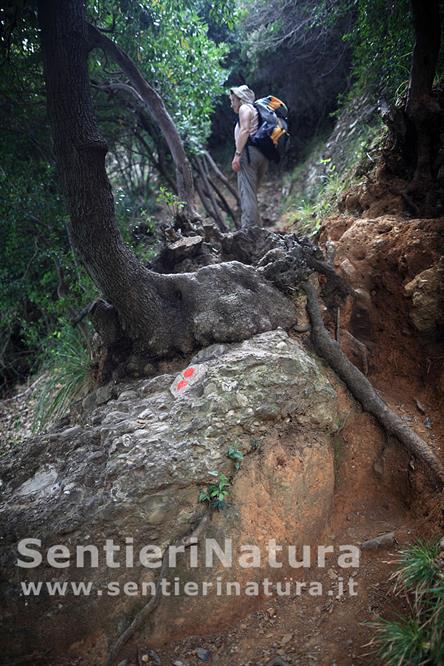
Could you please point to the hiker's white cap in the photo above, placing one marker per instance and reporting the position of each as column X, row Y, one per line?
column 244, row 93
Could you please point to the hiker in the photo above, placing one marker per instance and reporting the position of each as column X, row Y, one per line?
column 248, row 162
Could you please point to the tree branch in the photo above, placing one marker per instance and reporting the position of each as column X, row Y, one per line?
column 154, row 103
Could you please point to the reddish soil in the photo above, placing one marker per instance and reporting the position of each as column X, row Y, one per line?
column 379, row 489
column 404, row 365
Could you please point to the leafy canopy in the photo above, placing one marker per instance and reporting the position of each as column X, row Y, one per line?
column 169, row 42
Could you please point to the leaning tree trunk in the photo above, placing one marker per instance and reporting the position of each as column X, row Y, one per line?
column 160, row 314
column 422, row 109
column 154, row 103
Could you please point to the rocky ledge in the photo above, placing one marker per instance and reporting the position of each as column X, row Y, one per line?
column 130, row 472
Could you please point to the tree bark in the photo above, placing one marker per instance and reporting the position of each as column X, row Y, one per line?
column 422, row 109
column 154, row 103
column 426, row 22
column 161, row 314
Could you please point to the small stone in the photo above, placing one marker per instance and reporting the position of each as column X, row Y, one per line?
column 89, row 402
column 104, row 394
column 378, row 467
column 178, row 663
column 428, row 422
column 71, row 433
column 153, row 657
column 128, row 395
column 271, row 612
column 286, row 639
column 420, row 406
column 242, row 400
column 387, row 539
column 202, row 654
column 348, row 268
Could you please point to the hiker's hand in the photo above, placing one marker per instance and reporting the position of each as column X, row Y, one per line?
column 235, row 164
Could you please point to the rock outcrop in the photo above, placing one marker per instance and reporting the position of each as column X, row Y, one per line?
column 391, row 255
column 130, row 472
column 395, row 318
column 427, row 293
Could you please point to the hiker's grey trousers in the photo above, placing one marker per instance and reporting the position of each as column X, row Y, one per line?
column 248, row 181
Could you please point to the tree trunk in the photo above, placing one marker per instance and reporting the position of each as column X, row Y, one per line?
column 161, row 314
column 422, row 109
column 152, row 100
column 80, row 153
column 426, row 22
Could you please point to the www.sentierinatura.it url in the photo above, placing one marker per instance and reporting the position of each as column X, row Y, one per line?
column 341, row 587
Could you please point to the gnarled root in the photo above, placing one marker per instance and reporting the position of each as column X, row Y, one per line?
column 364, row 392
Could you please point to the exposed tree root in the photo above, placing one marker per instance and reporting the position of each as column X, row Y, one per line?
column 232, row 301
column 152, row 604
column 215, row 287
column 364, row 392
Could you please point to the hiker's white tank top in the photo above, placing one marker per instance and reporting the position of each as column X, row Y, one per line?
column 254, row 122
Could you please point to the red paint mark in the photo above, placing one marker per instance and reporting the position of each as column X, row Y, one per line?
column 181, row 385
column 189, row 372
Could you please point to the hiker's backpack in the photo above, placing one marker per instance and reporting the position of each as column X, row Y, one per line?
column 272, row 132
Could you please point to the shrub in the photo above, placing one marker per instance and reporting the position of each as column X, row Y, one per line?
column 69, row 371
column 418, row 639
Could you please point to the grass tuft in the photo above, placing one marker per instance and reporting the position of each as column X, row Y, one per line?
column 419, row 639
column 418, row 567
column 69, row 376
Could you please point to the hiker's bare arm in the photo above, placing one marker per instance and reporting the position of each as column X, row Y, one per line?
column 245, row 114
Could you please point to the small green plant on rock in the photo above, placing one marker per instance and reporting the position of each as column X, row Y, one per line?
column 171, row 200
column 236, row 456
column 216, row 493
